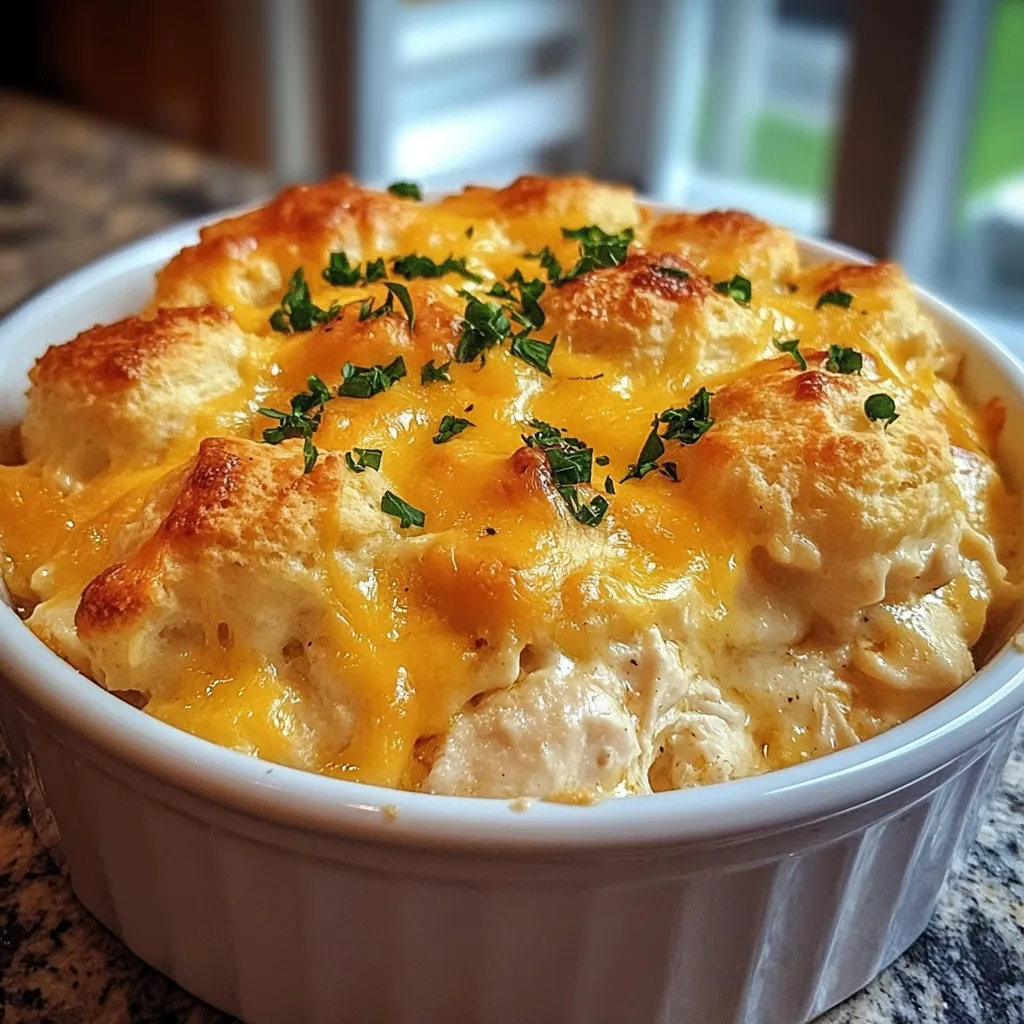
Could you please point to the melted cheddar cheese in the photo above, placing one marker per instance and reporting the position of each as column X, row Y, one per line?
column 793, row 579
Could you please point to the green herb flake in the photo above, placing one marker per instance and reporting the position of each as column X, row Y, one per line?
column 603, row 460
column 406, row 190
column 668, row 271
column 533, row 351
column 450, row 427
column 298, row 311
column 589, row 514
column 609, row 485
column 484, row 326
column 650, row 453
column 738, row 288
column 365, row 458
column 881, row 407
column 570, row 462
column 340, row 272
column 550, row 264
column 431, row 374
column 687, row 425
column 834, row 297
column 395, row 290
column 391, row 504
column 529, row 297
column 319, row 391
column 569, row 466
column 843, row 360
column 310, row 453
column 375, row 271
column 400, row 292
column 792, row 346
column 307, row 408
column 690, row 423
column 544, row 432
column 598, row 248
column 413, row 266
column 367, row 381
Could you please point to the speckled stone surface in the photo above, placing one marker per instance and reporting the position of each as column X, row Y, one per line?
column 71, row 190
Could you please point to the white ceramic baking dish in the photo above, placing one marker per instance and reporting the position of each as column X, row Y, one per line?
column 289, row 898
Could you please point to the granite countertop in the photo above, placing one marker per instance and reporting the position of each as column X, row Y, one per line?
column 71, row 189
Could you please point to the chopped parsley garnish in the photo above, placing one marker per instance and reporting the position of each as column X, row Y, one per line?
column 298, row 311
column 431, row 374
column 690, row 423
column 609, row 485
column 650, row 453
column 834, row 297
column 414, row 265
column 406, row 190
column 661, row 268
column 450, row 427
column 395, row 290
column 737, row 288
column 687, row 425
column 589, row 514
column 487, row 324
column 570, row 463
column 792, row 346
column 549, row 262
column 367, row 381
column 533, row 351
column 484, row 326
column 343, row 274
column 319, row 393
column 881, row 407
column 307, row 407
column 340, row 272
column 365, row 458
column 598, row 249
column 543, row 433
column 469, row 231
column 529, row 296
column 407, row 516
column 400, row 292
column 602, row 460
column 843, row 360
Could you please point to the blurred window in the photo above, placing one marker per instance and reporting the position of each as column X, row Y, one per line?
column 986, row 268
column 771, row 104
column 478, row 90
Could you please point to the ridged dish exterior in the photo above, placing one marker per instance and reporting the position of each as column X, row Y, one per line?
column 280, row 927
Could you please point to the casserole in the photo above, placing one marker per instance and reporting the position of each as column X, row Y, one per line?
column 282, row 896
column 244, row 511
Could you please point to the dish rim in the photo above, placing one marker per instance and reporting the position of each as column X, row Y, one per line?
column 324, row 805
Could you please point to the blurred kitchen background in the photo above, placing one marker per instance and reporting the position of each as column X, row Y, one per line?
column 896, row 126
